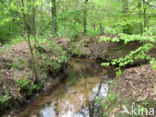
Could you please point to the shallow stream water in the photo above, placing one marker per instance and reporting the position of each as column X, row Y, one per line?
column 75, row 97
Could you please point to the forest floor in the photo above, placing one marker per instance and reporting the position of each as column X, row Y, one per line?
column 135, row 88
column 139, row 82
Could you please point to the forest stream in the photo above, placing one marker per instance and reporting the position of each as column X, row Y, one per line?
column 75, row 97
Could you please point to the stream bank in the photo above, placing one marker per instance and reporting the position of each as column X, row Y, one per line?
column 135, row 90
column 88, row 47
column 17, row 84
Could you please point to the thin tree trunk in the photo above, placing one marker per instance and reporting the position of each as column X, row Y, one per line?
column 85, row 18
column 101, row 28
column 148, row 21
column 54, row 22
column 144, row 14
column 27, row 39
column 125, row 11
column 145, row 19
column 94, row 27
column 140, row 16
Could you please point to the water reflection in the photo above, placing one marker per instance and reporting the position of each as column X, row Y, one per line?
column 85, row 81
column 79, row 103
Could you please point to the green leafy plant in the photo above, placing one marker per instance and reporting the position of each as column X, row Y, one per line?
column 140, row 53
column 4, row 102
column 96, row 99
column 27, row 86
column 4, row 99
column 142, row 109
column 17, row 66
column 51, row 57
column 111, row 98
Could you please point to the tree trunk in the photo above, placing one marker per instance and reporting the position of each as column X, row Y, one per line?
column 125, row 11
column 54, row 22
column 28, row 29
column 101, row 28
column 94, row 26
column 85, row 18
column 140, row 16
column 125, row 6
column 144, row 14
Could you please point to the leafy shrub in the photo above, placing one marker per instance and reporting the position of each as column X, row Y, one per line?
column 140, row 53
column 72, row 30
column 84, row 42
column 78, row 49
column 52, row 58
column 27, row 86
column 15, row 65
column 110, row 30
column 4, row 102
column 111, row 98
column 4, row 99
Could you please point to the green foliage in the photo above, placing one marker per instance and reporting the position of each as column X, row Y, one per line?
column 142, row 109
column 153, row 63
column 53, row 64
column 4, row 99
column 51, row 57
column 8, row 24
column 128, row 38
column 140, row 53
column 84, row 42
column 92, row 32
column 15, row 65
column 27, row 86
column 111, row 98
column 105, row 64
column 119, row 71
column 96, row 99
column 77, row 49
column 108, row 104
column 72, row 30
column 4, row 102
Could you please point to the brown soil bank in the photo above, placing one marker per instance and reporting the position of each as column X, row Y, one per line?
column 139, row 82
column 135, row 88
column 17, row 83
column 88, row 47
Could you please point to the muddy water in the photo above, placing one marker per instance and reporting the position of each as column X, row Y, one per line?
column 75, row 96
